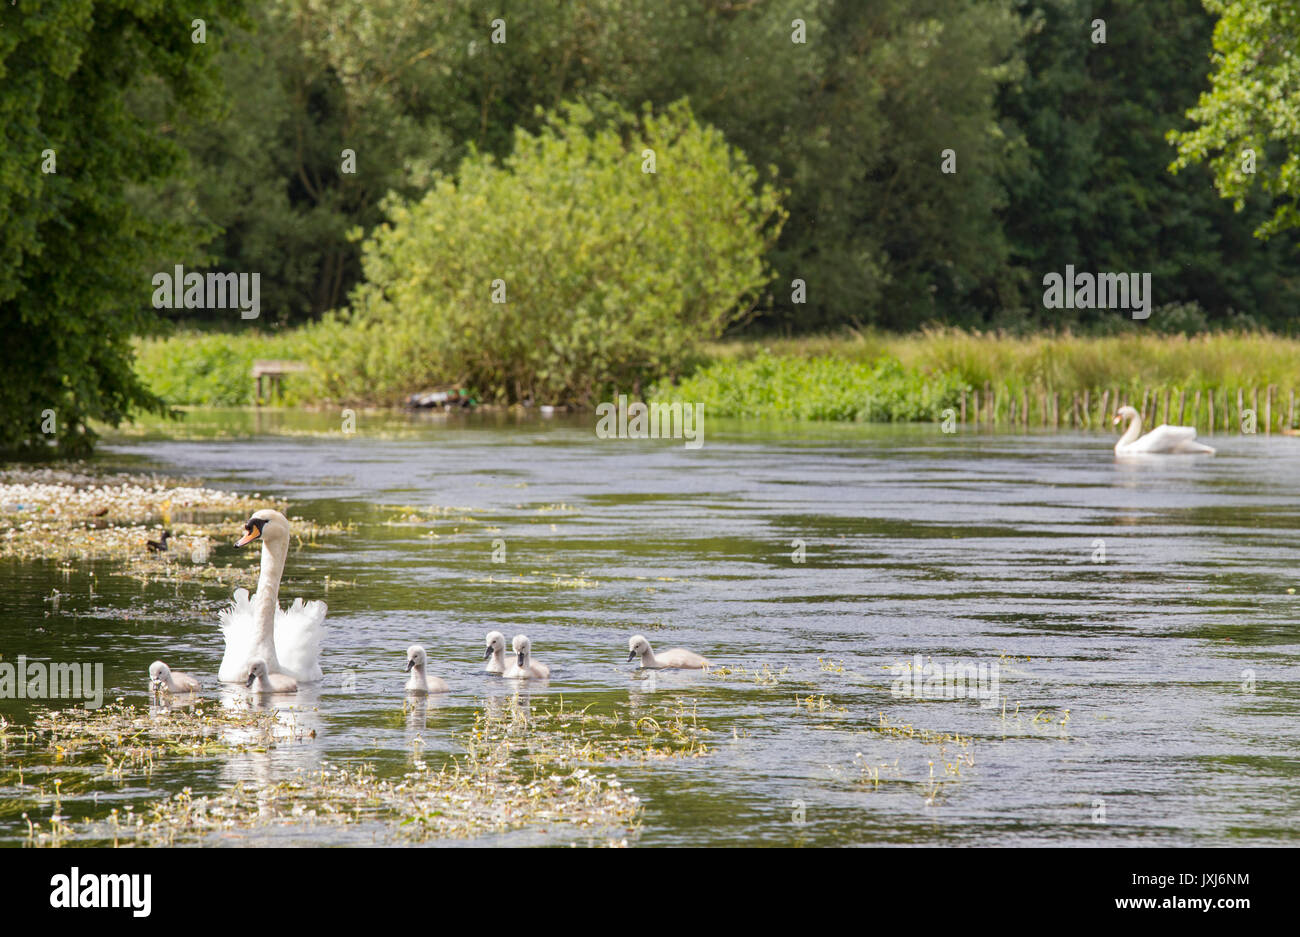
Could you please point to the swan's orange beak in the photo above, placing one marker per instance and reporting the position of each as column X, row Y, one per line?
column 249, row 537
column 1115, row 421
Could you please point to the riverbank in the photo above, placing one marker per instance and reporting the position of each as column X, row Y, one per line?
column 1223, row 381
column 1220, row 380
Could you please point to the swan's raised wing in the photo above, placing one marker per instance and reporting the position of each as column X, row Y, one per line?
column 299, row 631
column 237, row 624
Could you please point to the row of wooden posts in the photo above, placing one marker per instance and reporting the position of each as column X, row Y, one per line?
column 1211, row 410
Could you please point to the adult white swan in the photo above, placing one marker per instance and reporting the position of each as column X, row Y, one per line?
column 287, row 640
column 1164, row 438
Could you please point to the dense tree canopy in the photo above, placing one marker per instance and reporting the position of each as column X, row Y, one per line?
column 1057, row 140
column 1248, row 122
column 74, row 249
column 1096, row 192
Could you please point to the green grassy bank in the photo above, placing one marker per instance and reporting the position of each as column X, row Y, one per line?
column 1039, row 380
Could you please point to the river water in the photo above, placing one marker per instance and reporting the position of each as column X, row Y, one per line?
column 1139, row 619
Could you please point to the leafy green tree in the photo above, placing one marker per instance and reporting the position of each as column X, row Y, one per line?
column 1247, row 126
column 596, row 256
column 1094, row 190
column 854, row 118
column 74, row 281
column 408, row 86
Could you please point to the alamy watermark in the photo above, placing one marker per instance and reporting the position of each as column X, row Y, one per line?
column 181, row 290
column 651, row 421
column 26, row 679
column 1098, row 291
column 80, row 889
column 955, row 680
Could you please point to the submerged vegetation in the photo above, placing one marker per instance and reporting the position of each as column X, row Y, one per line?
column 520, row 767
column 80, row 512
column 458, row 801
column 516, row 766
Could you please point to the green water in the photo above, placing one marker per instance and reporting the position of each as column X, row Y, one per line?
column 963, row 548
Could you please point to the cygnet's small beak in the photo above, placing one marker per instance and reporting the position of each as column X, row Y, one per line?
column 409, row 664
column 251, row 677
column 488, row 652
column 521, row 658
column 631, row 655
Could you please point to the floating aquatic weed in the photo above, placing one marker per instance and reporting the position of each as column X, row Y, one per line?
column 557, row 582
column 521, row 769
column 561, row 735
column 817, row 704
column 125, row 738
column 764, row 676
column 458, row 801
column 81, row 514
column 954, row 752
column 913, row 733
column 1041, row 725
column 573, row 582
column 412, row 516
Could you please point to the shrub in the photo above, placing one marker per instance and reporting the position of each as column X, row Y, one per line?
column 612, row 276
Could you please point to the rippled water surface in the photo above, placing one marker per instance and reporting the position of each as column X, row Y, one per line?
column 1157, row 691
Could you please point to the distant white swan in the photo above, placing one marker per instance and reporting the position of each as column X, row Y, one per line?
column 676, row 658
column 1164, row 438
column 524, row 665
column 162, row 677
column 421, row 683
column 261, row 681
column 287, row 640
column 495, row 655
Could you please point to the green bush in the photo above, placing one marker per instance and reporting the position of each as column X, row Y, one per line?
column 612, row 276
column 817, row 388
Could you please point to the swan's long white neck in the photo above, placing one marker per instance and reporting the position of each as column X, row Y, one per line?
column 1132, row 433
column 648, row 658
column 267, row 602
column 498, row 658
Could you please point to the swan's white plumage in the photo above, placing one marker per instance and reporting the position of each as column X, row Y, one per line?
column 525, row 666
column 161, row 676
column 677, row 658
column 421, row 684
column 299, row 631
column 1164, row 439
column 495, row 652
column 260, row 681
